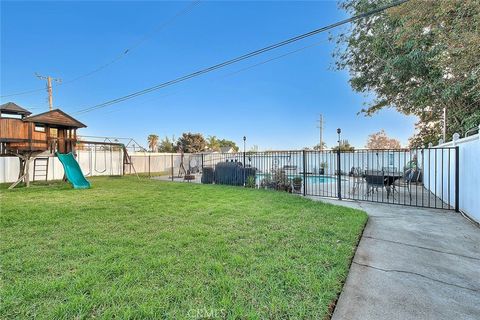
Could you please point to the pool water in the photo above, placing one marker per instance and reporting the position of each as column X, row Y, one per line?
column 311, row 179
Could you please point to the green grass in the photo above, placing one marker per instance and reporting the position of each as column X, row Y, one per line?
column 144, row 249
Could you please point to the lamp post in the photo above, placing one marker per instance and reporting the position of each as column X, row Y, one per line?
column 339, row 131
column 339, row 171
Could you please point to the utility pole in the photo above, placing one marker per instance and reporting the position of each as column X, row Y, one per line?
column 320, row 126
column 49, row 88
column 444, row 124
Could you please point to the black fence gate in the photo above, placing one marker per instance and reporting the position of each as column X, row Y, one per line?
column 413, row 177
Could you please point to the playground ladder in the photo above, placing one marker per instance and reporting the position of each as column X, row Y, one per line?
column 40, row 168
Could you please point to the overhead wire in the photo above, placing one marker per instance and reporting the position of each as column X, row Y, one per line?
column 239, row 58
column 121, row 55
column 316, row 44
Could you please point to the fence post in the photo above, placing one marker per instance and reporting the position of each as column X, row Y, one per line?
column 339, row 174
column 171, row 162
column 457, row 179
column 244, row 171
column 304, row 173
column 202, row 161
column 149, row 166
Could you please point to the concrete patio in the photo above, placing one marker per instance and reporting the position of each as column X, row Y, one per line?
column 412, row 263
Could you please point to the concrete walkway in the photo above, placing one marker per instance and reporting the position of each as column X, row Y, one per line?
column 413, row 263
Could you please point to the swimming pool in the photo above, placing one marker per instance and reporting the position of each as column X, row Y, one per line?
column 311, row 179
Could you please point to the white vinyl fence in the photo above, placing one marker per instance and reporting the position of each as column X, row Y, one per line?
column 469, row 174
column 92, row 163
column 163, row 163
column 95, row 162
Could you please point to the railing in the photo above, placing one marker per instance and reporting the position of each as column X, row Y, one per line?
column 52, row 144
column 12, row 146
column 413, row 177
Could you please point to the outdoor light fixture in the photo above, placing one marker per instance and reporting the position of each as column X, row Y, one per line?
column 339, row 171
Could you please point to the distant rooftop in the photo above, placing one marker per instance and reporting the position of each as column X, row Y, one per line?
column 226, row 149
column 13, row 108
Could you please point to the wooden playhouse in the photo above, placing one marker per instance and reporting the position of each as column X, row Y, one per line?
column 30, row 136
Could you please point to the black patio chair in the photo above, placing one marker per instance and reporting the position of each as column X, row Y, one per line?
column 410, row 176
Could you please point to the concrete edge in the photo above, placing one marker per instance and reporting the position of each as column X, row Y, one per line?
column 333, row 305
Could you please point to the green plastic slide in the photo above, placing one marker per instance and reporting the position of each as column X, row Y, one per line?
column 72, row 171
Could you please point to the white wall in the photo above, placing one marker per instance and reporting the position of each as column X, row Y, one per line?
column 100, row 162
column 155, row 162
column 92, row 164
column 469, row 174
column 439, row 173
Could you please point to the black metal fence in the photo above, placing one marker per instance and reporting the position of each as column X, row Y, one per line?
column 413, row 177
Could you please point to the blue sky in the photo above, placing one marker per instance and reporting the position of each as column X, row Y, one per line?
column 275, row 105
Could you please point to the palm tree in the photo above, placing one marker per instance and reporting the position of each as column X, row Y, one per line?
column 213, row 143
column 152, row 142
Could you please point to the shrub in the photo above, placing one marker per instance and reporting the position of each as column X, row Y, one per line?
column 250, row 183
column 280, row 181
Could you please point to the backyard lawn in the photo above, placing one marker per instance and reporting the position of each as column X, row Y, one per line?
column 131, row 248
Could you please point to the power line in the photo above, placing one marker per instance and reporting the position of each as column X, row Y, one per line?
column 160, row 27
column 231, row 74
column 240, row 58
column 22, row 93
column 275, row 58
column 124, row 53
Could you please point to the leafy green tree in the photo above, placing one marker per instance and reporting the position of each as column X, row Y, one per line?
column 421, row 57
column 228, row 143
column 191, row 142
column 166, row 145
column 344, row 146
column 214, row 144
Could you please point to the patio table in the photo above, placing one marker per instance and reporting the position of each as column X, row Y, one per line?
column 384, row 179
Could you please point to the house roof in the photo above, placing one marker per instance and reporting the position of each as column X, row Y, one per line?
column 226, row 149
column 13, row 108
column 56, row 117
